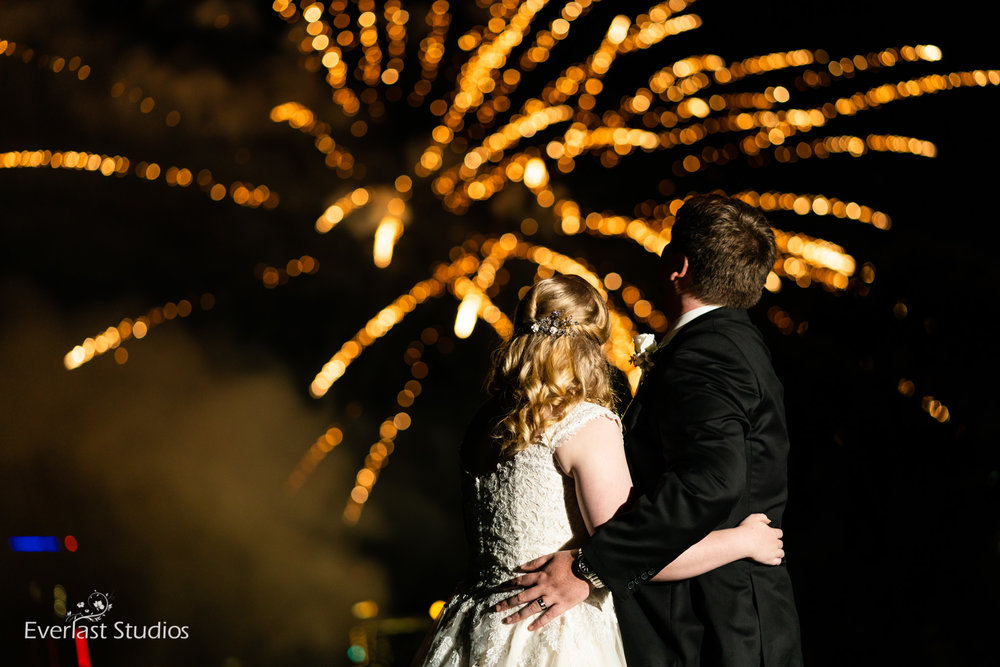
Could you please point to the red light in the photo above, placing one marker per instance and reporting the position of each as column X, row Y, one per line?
column 82, row 652
column 70, row 543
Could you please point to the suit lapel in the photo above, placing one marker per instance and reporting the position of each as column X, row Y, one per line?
column 644, row 393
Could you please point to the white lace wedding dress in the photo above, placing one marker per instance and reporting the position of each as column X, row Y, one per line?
column 523, row 509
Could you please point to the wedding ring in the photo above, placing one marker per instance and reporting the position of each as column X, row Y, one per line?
column 541, row 603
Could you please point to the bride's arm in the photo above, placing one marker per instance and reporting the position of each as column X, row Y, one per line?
column 595, row 457
column 753, row 538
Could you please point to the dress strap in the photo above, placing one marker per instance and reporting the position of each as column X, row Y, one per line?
column 578, row 416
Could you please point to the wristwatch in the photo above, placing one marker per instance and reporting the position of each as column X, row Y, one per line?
column 582, row 569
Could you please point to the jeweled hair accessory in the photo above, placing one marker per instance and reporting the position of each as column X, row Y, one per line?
column 554, row 324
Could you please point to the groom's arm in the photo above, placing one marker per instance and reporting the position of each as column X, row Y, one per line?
column 709, row 388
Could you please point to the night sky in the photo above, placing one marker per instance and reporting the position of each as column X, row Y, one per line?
column 170, row 467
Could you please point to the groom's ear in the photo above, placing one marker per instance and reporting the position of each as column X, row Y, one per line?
column 675, row 265
column 683, row 271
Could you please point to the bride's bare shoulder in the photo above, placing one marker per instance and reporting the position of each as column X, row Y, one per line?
column 594, row 434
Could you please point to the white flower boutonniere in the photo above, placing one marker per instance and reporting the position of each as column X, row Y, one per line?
column 645, row 345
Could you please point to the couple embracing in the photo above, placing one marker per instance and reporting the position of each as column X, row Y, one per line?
column 658, row 547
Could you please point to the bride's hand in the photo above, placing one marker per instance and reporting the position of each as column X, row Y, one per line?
column 550, row 588
column 764, row 543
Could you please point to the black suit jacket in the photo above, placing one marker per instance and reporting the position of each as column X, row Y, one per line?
column 707, row 445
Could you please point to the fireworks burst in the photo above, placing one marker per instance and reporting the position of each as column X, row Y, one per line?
column 503, row 114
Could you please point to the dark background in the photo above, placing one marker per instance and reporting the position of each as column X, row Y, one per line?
column 170, row 469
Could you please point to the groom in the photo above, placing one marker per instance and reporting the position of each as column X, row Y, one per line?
column 707, row 446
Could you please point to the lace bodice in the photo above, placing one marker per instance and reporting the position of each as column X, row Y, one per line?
column 527, row 506
column 522, row 508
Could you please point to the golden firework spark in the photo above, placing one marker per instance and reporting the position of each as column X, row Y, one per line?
column 244, row 194
column 678, row 109
column 489, row 135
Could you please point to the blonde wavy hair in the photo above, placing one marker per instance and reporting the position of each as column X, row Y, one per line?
column 540, row 376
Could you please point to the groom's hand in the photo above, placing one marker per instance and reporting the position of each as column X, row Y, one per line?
column 551, row 580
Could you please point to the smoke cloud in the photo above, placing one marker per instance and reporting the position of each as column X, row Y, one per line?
column 169, row 470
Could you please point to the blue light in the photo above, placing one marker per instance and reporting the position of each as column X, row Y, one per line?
column 356, row 653
column 34, row 543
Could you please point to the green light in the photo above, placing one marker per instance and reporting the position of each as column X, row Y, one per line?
column 356, row 653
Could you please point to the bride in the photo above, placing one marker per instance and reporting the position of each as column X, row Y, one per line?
column 543, row 465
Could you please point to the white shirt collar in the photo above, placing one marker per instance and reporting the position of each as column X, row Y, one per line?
column 684, row 319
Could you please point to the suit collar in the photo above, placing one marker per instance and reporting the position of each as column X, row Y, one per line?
column 706, row 320
column 684, row 319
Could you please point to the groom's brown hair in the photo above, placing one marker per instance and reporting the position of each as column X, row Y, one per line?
column 729, row 246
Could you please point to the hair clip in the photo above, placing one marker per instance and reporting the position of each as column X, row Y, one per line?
column 554, row 324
